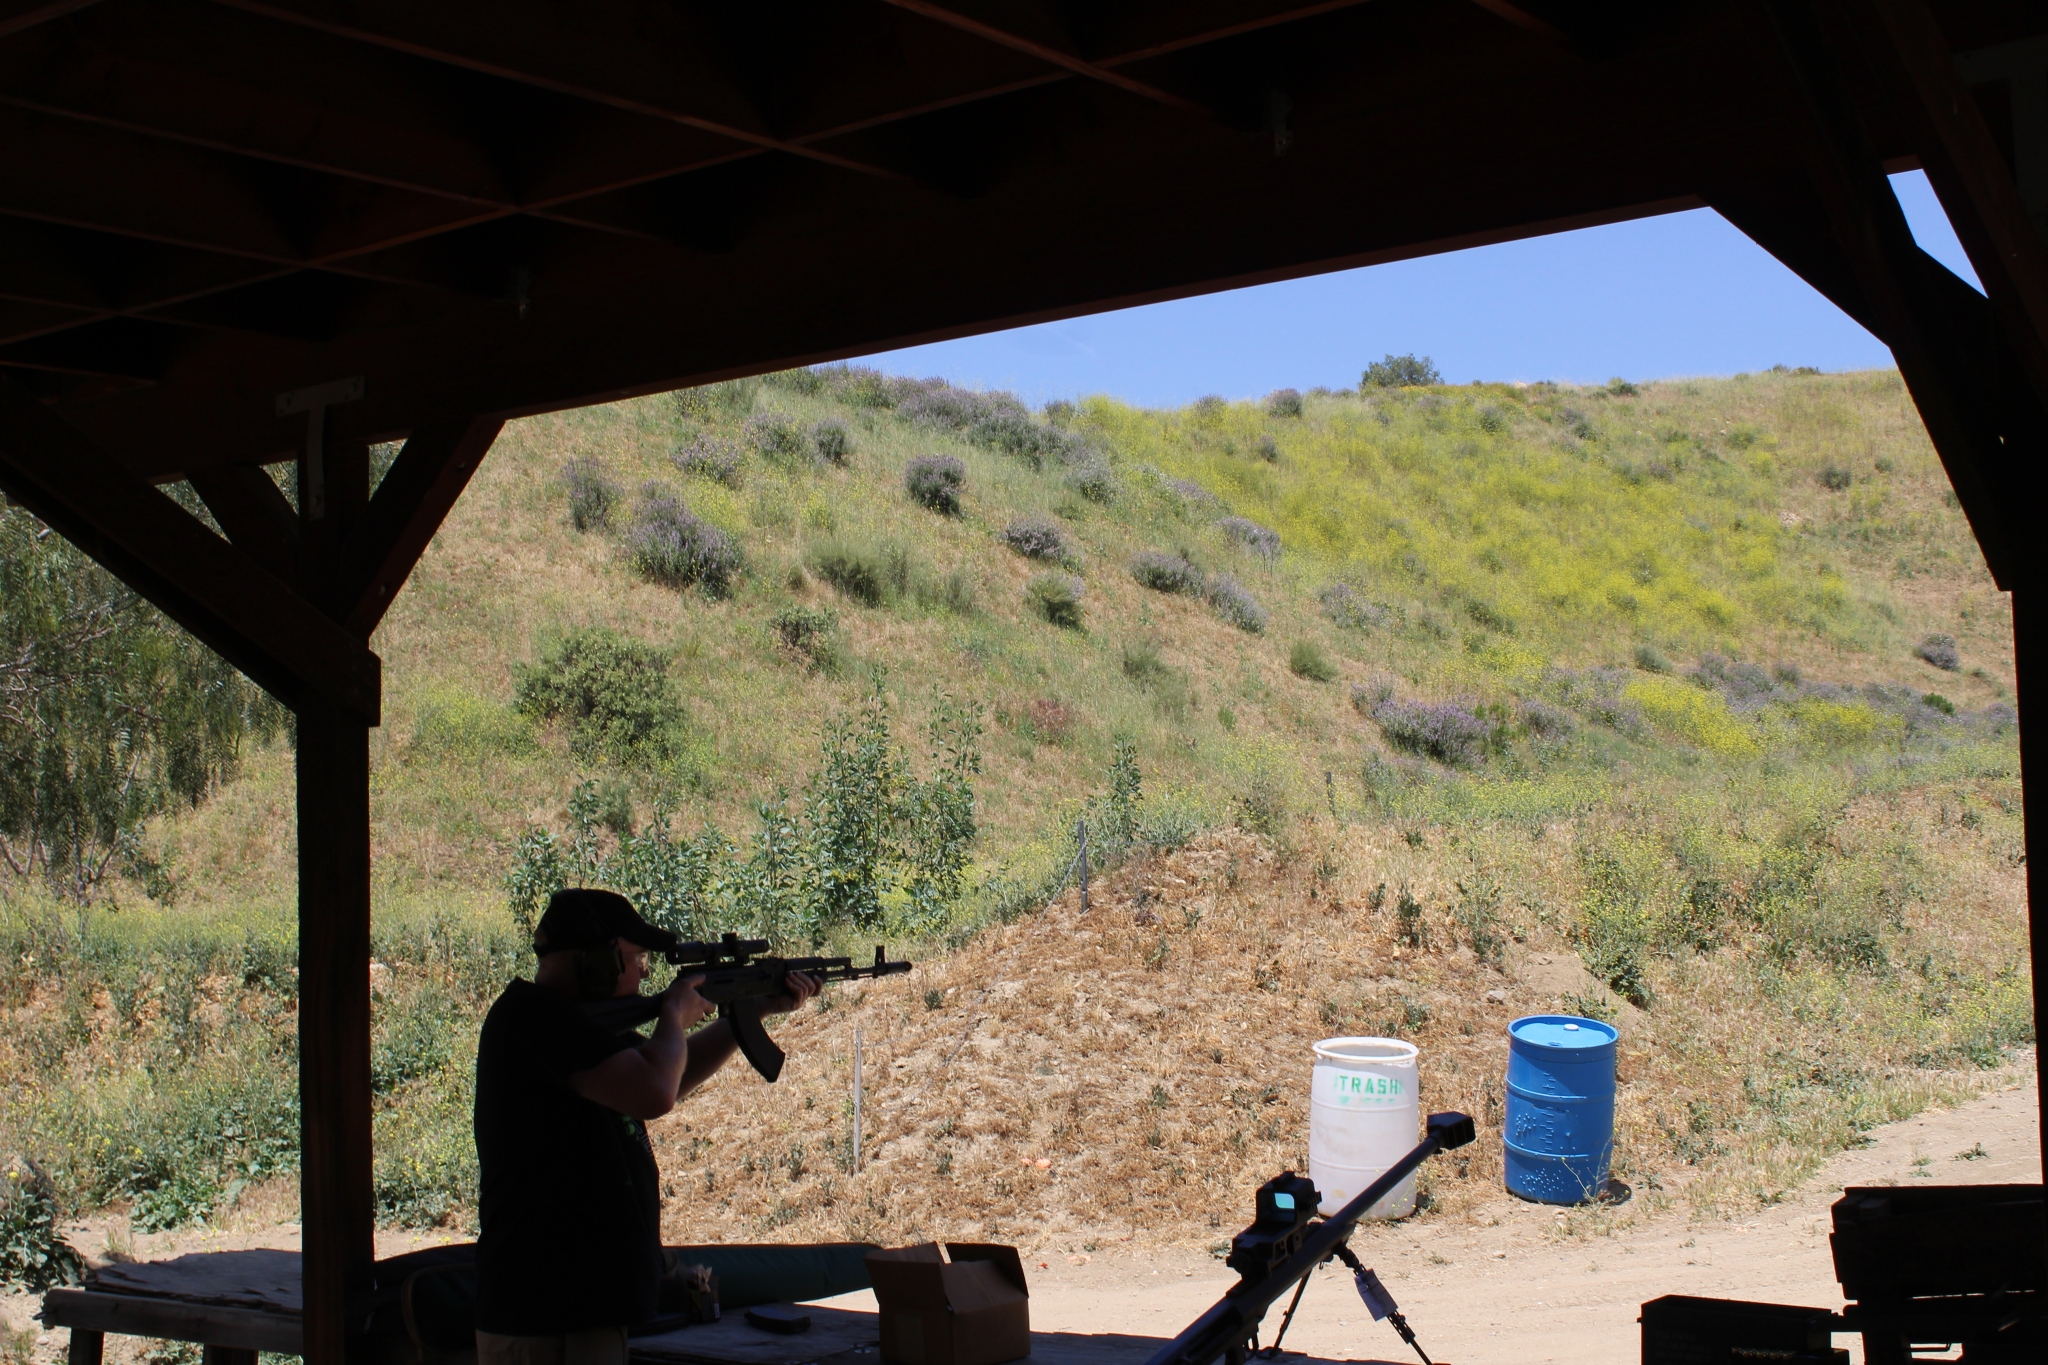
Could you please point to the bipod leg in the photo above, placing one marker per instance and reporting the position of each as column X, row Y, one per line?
column 1401, row 1326
column 1273, row 1351
column 1344, row 1253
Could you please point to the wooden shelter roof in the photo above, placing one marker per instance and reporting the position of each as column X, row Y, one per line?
column 237, row 232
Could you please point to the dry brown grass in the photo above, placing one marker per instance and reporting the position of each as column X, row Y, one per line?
column 1154, row 1054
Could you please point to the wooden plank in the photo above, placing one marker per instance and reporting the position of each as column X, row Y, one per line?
column 1952, row 363
column 1976, row 187
column 252, row 509
column 409, row 507
column 135, row 1316
column 199, row 580
column 336, row 1201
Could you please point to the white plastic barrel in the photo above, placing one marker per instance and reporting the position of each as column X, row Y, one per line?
column 1364, row 1115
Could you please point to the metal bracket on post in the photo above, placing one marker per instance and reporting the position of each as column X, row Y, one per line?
column 314, row 401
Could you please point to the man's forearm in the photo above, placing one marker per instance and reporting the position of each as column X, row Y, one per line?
column 710, row 1048
column 667, row 1051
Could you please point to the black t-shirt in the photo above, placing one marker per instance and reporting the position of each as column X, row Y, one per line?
column 569, row 1197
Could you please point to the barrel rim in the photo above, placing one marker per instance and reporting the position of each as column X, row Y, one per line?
column 1611, row 1035
column 1401, row 1050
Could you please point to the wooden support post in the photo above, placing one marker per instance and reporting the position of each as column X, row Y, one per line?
column 87, row 1346
column 226, row 1355
column 337, row 1200
column 2030, row 662
column 336, row 1203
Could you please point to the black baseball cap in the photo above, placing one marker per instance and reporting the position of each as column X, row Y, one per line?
column 583, row 917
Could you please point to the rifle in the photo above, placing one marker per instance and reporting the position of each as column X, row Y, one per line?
column 1282, row 1246
column 738, row 975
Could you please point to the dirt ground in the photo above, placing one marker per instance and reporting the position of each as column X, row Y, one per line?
column 1513, row 1282
column 1526, row 1283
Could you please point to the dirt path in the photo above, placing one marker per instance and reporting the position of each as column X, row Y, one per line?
column 1521, row 1290
column 1523, row 1287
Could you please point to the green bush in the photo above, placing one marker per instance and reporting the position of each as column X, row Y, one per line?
column 935, row 481
column 33, row 1255
column 869, row 833
column 862, row 572
column 1401, row 372
column 811, row 633
column 669, row 545
column 614, row 694
column 1168, row 573
column 1307, row 660
column 1057, row 598
column 593, row 493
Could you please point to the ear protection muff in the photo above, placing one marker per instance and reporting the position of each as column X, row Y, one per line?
column 598, row 971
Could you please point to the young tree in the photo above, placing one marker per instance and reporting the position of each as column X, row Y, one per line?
column 109, row 713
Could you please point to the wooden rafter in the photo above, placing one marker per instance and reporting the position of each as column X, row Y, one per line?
column 242, row 610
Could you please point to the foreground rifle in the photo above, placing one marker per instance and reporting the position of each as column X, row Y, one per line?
column 1282, row 1246
column 738, row 976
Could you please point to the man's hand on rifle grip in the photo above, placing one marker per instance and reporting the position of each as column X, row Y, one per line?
column 797, row 990
column 681, row 1003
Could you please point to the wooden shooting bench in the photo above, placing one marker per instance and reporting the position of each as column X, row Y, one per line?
column 237, row 1303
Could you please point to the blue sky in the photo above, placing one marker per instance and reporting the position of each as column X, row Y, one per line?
column 1684, row 294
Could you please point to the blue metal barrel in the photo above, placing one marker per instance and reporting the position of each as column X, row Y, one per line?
column 1559, row 1125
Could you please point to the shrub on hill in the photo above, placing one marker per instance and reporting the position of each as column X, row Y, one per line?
column 1283, row 403
column 1236, row 605
column 811, row 633
column 829, row 438
column 934, row 482
column 613, row 693
column 1248, row 534
column 1307, row 660
column 1036, row 538
column 1094, row 480
column 670, row 546
column 1057, row 598
column 868, row 835
column 708, row 456
column 1448, row 732
column 776, row 436
column 1940, row 650
column 1171, row 573
column 593, row 493
column 1401, row 372
column 862, row 572
column 1343, row 606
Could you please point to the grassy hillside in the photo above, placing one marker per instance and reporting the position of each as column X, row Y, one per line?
column 1610, row 698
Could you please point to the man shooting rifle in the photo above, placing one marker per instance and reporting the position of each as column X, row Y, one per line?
column 569, row 1253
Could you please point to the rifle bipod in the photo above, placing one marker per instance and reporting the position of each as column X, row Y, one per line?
column 1377, row 1301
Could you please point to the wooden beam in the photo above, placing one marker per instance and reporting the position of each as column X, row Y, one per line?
column 253, row 511
column 1984, row 445
column 1976, row 187
column 632, row 57
column 197, row 579
column 19, row 16
column 409, row 507
column 1048, row 52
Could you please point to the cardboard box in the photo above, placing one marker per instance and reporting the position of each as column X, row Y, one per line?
column 972, row 1310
